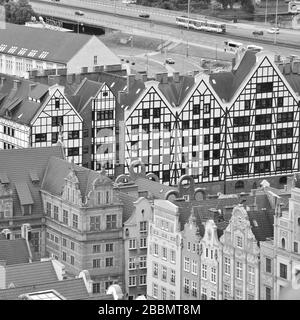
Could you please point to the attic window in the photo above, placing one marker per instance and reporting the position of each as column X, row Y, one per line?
column 125, row 88
column 105, row 94
column 43, row 55
column 138, row 90
column 32, row 53
column 213, row 81
column 3, row 47
column 187, row 88
column 22, row 51
column 20, row 116
column 12, row 49
column 255, row 223
column 112, row 84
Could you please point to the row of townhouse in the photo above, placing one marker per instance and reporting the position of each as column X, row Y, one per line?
column 247, row 251
column 239, row 125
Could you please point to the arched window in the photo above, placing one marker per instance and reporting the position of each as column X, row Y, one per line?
column 283, row 180
column 283, row 243
column 239, row 185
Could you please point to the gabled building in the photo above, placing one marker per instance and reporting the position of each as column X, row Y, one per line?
column 83, row 222
column 23, row 49
column 37, row 115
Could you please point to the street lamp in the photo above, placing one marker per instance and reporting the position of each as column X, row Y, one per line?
column 276, row 22
column 79, row 14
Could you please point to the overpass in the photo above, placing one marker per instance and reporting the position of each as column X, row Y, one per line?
column 110, row 15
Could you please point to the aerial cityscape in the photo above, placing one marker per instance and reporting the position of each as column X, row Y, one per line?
column 149, row 150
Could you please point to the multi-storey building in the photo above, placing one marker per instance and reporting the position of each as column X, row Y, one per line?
column 135, row 234
column 23, row 49
column 21, row 176
column 164, row 254
column 240, row 272
column 245, row 124
column 83, row 222
column 37, row 115
column 280, row 255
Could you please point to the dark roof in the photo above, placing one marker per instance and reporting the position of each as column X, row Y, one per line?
column 58, row 169
column 294, row 81
column 18, row 163
column 16, row 98
column 26, row 274
column 61, row 46
column 155, row 189
column 73, row 289
column 226, row 83
column 14, row 251
column 175, row 92
column 262, row 224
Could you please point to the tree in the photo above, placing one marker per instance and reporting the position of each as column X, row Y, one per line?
column 17, row 12
column 248, row 6
column 225, row 3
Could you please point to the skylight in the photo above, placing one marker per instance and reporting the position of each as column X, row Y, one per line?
column 255, row 223
column 12, row 49
column 22, row 51
column 3, row 47
column 138, row 90
column 32, row 53
column 112, row 84
column 213, row 81
column 20, row 116
column 43, row 55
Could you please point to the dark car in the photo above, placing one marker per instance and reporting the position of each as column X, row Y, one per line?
column 170, row 61
column 258, row 33
column 144, row 15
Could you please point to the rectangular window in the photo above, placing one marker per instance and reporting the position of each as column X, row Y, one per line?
column 65, row 217
column 239, row 270
column 41, row 137
column 216, row 171
column 55, row 211
column 95, row 223
column 143, row 262
column 263, row 119
column 241, row 137
column 238, row 294
column 284, row 133
column 72, row 245
column 95, row 59
column 73, row 134
column 203, row 293
column 239, row 242
column 186, row 286
column 194, row 267
column 296, row 247
column 164, row 273
column 217, row 122
column 262, row 151
column 206, row 123
column 194, row 289
column 64, row 256
column 285, row 164
column 132, row 281
column 75, row 221
column 285, row 117
column 213, row 274
column 240, row 153
column 109, row 262
column 260, row 167
column 206, row 108
column 204, row 272
column 48, row 209
column 283, row 270
column 111, row 221
column 206, row 139
column 64, row 242
column 196, row 124
column 96, row 248
column 72, row 260
column 164, row 253
column 173, row 256
column 268, row 293
column 264, row 87
column 143, row 280
column 132, row 244
column 57, row 121
column 185, row 124
column 263, row 135
column 131, row 263
column 241, row 121
column 96, row 287
column 173, row 277
column 251, row 275
column 268, row 265
column 196, row 109
column 284, row 148
column 155, row 269
column 146, row 113
column 155, row 290
column 57, row 102
column 73, row 152
column 156, row 113
column 226, row 291
column 186, row 264
column 263, row 103
column 96, row 263
column 54, row 137
column 240, row 169
column 143, row 243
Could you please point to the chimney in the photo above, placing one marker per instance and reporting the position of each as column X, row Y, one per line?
column 53, row 79
column 287, row 68
column 295, row 66
column 277, row 58
column 70, row 78
column 130, row 82
column 176, row 76
column 121, row 96
column 2, row 80
column 16, row 84
column 159, row 77
column 165, row 78
column 281, row 67
column 2, row 274
column 77, row 78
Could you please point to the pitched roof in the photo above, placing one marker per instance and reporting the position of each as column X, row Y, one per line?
column 72, row 289
column 262, row 224
column 58, row 170
column 26, row 274
column 59, row 47
column 18, row 163
column 128, row 206
column 14, row 251
column 155, row 189
column 16, row 98
column 226, row 83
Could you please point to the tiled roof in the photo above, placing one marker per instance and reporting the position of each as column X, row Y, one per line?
column 128, row 206
column 60, row 46
column 24, row 194
column 34, row 273
column 262, row 224
column 226, row 83
column 73, row 289
column 14, row 251
column 18, row 163
column 58, row 170
column 156, row 189
column 16, row 100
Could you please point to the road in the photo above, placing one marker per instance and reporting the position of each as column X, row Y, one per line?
column 167, row 16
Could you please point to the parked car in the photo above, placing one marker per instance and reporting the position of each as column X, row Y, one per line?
column 170, row 61
column 144, row 15
column 273, row 30
column 258, row 33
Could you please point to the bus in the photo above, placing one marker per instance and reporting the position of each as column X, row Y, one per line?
column 201, row 25
column 232, row 46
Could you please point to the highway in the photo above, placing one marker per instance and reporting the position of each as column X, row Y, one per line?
column 115, row 15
